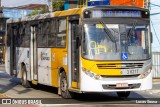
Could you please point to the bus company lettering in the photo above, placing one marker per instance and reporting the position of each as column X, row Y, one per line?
column 26, row 101
column 44, row 56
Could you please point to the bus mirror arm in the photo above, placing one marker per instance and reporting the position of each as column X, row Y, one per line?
column 77, row 42
column 151, row 37
column 79, row 31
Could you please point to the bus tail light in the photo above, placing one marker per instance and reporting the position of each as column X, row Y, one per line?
column 145, row 74
column 91, row 74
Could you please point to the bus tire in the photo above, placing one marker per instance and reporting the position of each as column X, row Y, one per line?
column 24, row 80
column 123, row 94
column 65, row 93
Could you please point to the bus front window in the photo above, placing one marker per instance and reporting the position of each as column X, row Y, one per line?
column 100, row 43
column 138, row 40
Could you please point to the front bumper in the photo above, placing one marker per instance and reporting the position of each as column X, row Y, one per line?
column 89, row 84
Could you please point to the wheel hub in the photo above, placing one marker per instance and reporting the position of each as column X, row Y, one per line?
column 24, row 77
column 64, row 85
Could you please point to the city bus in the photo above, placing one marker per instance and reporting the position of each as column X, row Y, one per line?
column 82, row 50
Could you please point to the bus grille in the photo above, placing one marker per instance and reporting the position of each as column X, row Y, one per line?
column 120, row 66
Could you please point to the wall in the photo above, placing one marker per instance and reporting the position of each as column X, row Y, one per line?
column 139, row 3
column 15, row 13
column 156, row 64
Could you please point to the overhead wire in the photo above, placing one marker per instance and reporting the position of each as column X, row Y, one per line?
column 155, row 32
column 153, row 5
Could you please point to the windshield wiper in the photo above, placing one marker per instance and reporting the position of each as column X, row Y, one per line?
column 110, row 35
column 108, row 32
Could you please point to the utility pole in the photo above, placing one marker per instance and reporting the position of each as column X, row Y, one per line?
column 51, row 6
column 1, row 12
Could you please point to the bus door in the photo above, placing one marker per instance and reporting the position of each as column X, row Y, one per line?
column 74, row 54
column 14, row 33
column 33, row 53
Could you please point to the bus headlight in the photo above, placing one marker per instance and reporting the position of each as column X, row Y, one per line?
column 145, row 74
column 91, row 74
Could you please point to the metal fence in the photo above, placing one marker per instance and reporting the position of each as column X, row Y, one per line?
column 156, row 64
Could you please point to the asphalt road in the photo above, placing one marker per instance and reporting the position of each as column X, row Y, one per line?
column 11, row 87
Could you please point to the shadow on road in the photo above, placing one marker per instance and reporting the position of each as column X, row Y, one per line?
column 49, row 89
column 8, row 82
column 110, row 97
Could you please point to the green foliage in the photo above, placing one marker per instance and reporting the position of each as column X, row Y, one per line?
column 58, row 5
column 36, row 11
column 43, row 11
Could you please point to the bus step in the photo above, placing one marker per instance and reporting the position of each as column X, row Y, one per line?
column 74, row 90
column 34, row 82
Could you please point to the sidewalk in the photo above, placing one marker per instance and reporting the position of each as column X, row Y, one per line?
column 156, row 80
column 155, row 87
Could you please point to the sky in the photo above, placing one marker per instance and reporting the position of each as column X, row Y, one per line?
column 155, row 19
column 14, row 3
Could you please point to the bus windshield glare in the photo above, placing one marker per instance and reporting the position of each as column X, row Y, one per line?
column 128, row 38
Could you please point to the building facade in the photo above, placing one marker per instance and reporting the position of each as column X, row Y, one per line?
column 81, row 3
column 2, row 36
column 22, row 11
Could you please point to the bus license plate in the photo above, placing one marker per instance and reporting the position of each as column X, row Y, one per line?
column 120, row 85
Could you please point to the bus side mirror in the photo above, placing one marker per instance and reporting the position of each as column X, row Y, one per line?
column 151, row 37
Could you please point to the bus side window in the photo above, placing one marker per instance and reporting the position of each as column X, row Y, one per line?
column 20, row 35
column 52, row 33
column 61, row 36
column 27, row 35
column 41, row 34
column 15, row 32
column 9, row 34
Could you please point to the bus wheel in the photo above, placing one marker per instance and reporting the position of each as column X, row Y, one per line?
column 25, row 82
column 123, row 94
column 65, row 93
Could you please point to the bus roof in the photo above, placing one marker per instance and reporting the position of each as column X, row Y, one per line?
column 47, row 15
column 74, row 11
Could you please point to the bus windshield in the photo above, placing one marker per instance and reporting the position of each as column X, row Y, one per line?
column 131, row 40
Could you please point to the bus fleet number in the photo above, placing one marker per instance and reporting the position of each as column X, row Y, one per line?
column 132, row 71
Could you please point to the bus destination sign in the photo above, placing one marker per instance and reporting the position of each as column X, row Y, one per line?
column 115, row 13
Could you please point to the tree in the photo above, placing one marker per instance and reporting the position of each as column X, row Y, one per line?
column 36, row 11
column 58, row 5
column 43, row 11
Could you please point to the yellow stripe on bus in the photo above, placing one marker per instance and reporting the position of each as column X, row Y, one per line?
column 74, row 84
column 34, row 82
column 93, row 66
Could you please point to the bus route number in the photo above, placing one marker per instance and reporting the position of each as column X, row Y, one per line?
column 132, row 71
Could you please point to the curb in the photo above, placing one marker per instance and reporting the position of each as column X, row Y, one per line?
column 156, row 80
